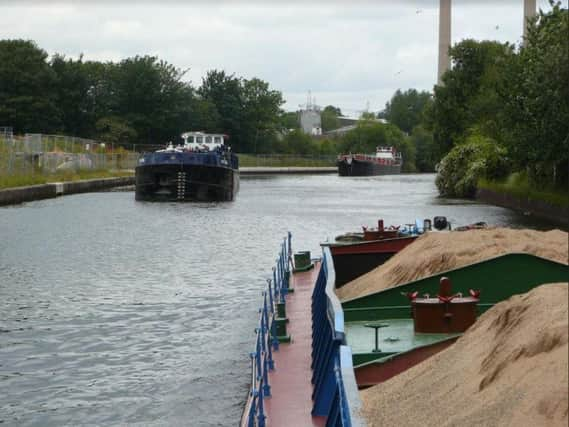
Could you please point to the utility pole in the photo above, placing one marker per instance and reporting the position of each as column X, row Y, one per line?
column 444, row 37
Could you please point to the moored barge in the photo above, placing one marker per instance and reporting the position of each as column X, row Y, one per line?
column 312, row 363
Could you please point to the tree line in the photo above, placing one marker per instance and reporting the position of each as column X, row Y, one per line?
column 139, row 100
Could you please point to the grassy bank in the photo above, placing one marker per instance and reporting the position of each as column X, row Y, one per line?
column 285, row 160
column 22, row 180
column 519, row 186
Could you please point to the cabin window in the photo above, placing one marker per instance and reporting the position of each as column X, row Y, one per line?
column 190, row 139
column 217, row 139
column 199, row 139
column 208, row 139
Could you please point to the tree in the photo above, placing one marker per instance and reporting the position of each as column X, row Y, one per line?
column 261, row 108
column 329, row 117
column 422, row 140
column 534, row 93
column 405, row 109
column 224, row 91
column 468, row 94
column 27, row 95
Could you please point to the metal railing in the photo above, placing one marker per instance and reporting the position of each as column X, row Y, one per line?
column 266, row 338
column 335, row 394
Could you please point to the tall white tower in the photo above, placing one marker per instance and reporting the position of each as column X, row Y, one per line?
column 529, row 12
column 444, row 37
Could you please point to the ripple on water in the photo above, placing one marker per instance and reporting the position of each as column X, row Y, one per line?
column 116, row 312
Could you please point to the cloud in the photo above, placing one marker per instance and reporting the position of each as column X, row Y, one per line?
column 347, row 54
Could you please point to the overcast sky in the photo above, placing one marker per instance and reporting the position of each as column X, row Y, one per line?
column 350, row 54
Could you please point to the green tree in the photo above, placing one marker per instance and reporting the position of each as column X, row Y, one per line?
column 478, row 157
column 422, row 140
column 405, row 109
column 468, row 95
column 28, row 100
column 534, row 94
column 261, row 109
column 289, row 120
column 329, row 117
column 224, row 91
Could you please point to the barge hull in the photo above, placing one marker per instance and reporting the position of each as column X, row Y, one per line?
column 183, row 182
column 366, row 168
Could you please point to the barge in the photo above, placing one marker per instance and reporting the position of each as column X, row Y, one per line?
column 313, row 353
column 385, row 161
column 202, row 169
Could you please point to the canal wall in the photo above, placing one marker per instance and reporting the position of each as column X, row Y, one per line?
column 537, row 208
column 13, row 196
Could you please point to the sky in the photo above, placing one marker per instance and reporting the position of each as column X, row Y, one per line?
column 350, row 54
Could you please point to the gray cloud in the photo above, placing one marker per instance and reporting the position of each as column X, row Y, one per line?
column 348, row 54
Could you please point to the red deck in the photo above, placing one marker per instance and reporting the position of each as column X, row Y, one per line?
column 291, row 389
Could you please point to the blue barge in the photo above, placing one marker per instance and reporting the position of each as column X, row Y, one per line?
column 202, row 169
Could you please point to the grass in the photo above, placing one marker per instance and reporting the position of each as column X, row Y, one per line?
column 22, row 180
column 285, row 160
column 518, row 185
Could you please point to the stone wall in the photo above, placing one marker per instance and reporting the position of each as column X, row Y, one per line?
column 538, row 208
column 13, row 196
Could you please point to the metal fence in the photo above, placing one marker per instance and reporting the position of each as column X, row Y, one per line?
column 49, row 154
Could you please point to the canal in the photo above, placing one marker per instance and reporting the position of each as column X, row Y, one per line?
column 115, row 312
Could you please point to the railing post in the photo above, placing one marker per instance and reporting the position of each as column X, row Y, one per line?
column 267, row 334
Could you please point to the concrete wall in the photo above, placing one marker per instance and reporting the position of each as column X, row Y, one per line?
column 536, row 208
column 12, row 196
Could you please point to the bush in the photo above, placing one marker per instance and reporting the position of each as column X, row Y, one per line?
column 461, row 169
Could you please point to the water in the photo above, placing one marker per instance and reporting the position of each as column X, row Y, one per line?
column 117, row 312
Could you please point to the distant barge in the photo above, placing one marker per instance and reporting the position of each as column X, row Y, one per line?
column 202, row 169
column 385, row 161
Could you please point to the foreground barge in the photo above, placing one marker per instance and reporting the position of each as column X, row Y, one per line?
column 344, row 348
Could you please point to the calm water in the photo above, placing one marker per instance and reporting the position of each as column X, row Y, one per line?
column 117, row 312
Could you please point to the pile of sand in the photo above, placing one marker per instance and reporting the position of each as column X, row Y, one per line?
column 433, row 253
column 509, row 369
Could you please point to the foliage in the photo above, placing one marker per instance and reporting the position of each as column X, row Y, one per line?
column 289, row 120
column 468, row 94
column 139, row 100
column 535, row 94
column 405, row 109
column 27, row 96
column 461, row 169
column 518, row 184
column 329, row 117
column 423, row 142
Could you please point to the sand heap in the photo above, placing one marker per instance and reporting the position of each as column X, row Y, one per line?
column 509, row 369
column 433, row 253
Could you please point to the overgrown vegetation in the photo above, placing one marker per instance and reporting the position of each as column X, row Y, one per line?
column 513, row 102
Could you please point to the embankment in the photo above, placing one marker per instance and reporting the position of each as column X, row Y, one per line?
column 537, row 208
column 17, row 195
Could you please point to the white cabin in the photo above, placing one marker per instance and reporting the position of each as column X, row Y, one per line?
column 200, row 141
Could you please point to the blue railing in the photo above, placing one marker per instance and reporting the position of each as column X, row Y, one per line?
column 266, row 339
column 335, row 393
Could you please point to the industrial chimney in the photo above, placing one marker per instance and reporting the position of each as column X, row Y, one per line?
column 444, row 37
